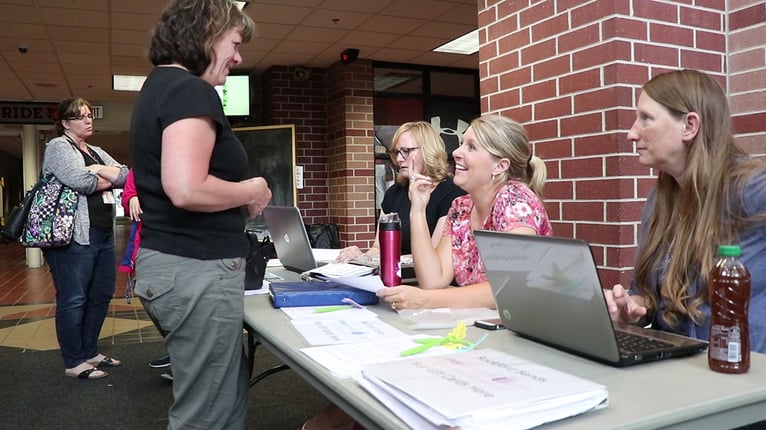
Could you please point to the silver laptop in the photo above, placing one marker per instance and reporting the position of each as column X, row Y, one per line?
column 291, row 241
column 547, row 289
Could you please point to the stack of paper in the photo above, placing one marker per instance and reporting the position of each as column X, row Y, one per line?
column 346, row 360
column 341, row 270
column 480, row 389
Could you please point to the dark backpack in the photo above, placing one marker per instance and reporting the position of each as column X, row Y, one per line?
column 323, row 235
column 255, row 266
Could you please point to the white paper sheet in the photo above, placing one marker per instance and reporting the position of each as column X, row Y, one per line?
column 325, row 255
column 258, row 292
column 263, row 290
column 367, row 283
column 401, row 410
column 485, row 389
column 310, row 313
column 330, row 332
column 340, row 271
column 424, row 319
column 273, row 262
column 346, row 361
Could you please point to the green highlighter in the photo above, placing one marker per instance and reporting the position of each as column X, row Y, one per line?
column 351, row 305
column 332, row 308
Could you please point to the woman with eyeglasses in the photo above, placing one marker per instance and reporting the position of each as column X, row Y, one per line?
column 83, row 272
column 495, row 166
column 415, row 147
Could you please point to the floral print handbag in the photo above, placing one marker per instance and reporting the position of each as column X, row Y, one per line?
column 51, row 216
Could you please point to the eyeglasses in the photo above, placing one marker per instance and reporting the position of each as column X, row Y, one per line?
column 404, row 152
column 81, row 117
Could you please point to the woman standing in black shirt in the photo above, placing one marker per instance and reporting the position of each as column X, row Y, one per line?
column 191, row 173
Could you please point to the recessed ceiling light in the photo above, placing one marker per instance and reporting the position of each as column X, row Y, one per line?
column 127, row 82
column 466, row 44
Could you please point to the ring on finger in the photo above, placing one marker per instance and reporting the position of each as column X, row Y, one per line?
column 393, row 306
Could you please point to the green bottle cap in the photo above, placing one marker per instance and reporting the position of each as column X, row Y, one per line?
column 729, row 251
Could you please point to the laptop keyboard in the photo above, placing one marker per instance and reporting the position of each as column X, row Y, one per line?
column 630, row 342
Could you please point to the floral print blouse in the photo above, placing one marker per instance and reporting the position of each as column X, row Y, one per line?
column 515, row 205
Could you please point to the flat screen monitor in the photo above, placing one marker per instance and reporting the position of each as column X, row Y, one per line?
column 235, row 95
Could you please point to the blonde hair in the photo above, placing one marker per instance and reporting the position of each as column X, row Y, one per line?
column 692, row 217
column 505, row 138
column 431, row 147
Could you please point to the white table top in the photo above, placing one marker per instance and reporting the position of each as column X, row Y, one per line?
column 676, row 393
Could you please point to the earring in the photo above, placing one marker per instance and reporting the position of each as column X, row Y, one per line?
column 493, row 178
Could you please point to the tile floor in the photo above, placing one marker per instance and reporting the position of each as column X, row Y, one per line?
column 28, row 305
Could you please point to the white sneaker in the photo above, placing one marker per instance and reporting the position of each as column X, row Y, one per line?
column 167, row 374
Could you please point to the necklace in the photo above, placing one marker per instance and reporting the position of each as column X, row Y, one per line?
column 85, row 150
column 71, row 139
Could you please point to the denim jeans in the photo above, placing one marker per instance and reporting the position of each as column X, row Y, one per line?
column 84, row 277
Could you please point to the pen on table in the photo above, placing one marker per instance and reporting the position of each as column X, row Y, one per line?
column 332, row 308
column 351, row 305
column 427, row 344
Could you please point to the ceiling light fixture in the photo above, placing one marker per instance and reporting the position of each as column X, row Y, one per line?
column 466, row 44
column 127, row 82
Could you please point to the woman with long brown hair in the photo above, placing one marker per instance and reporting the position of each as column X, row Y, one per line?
column 709, row 192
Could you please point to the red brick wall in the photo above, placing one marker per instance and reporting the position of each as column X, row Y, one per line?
column 571, row 73
column 332, row 112
column 288, row 100
column 747, row 68
column 351, row 159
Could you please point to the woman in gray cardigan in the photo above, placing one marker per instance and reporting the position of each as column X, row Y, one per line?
column 84, row 271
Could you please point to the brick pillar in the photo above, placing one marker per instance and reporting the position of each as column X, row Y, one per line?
column 301, row 99
column 572, row 73
column 351, row 161
column 747, row 66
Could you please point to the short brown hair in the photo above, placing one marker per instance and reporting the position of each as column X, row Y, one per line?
column 187, row 30
column 68, row 109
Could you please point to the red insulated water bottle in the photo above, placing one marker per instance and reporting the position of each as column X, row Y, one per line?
column 390, row 239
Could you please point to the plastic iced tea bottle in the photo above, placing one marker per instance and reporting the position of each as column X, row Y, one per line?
column 390, row 240
column 729, row 347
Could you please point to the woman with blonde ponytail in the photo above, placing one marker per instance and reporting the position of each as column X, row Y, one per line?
column 504, row 181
